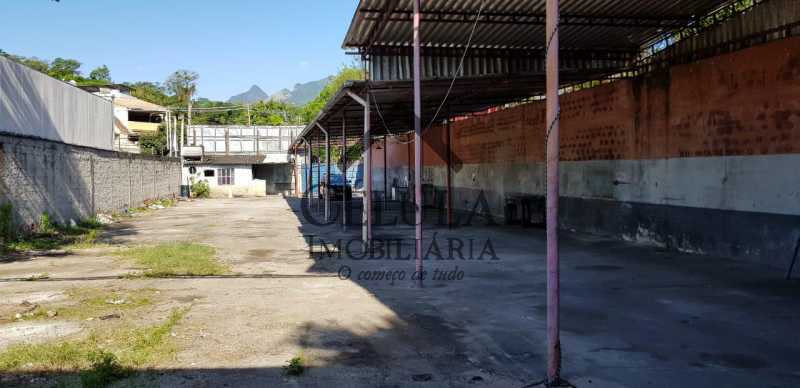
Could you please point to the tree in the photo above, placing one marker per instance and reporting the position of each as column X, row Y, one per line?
column 32, row 62
column 151, row 92
column 154, row 144
column 36, row 64
column 65, row 69
column 183, row 83
column 347, row 73
column 100, row 74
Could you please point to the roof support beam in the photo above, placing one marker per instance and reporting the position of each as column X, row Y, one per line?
column 357, row 99
column 328, row 172
column 505, row 18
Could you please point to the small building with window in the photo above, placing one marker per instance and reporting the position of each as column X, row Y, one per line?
column 230, row 175
column 239, row 161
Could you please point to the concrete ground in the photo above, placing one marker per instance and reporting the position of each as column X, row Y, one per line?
column 632, row 316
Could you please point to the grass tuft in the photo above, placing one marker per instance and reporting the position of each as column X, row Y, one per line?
column 176, row 259
column 295, row 367
column 105, row 369
column 102, row 357
column 52, row 236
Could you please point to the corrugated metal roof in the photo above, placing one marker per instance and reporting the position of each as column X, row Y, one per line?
column 519, row 24
column 134, row 103
column 228, row 160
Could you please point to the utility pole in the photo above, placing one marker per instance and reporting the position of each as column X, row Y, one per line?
column 249, row 120
column 179, row 141
column 114, row 126
column 189, row 119
column 166, row 121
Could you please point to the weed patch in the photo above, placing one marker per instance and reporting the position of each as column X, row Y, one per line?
column 52, row 236
column 295, row 367
column 102, row 358
column 176, row 259
column 105, row 369
column 148, row 206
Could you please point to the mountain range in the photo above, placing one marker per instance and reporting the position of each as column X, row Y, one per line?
column 301, row 94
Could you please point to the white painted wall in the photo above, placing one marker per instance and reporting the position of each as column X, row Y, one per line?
column 244, row 184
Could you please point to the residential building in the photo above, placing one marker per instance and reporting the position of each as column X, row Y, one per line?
column 240, row 160
column 133, row 117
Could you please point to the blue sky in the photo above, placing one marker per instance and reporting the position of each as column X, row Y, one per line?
column 231, row 43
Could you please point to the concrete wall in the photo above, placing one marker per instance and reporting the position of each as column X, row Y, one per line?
column 37, row 105
column 69, row 182
column 701, row 158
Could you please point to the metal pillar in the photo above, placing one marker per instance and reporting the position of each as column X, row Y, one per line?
column 344, row 172
column 307, row 157
column 449, row 198
column 328, row 172
column 319, row 175
column 417, row 142
column 366, row 230
column 385, row 172
column 552, row 135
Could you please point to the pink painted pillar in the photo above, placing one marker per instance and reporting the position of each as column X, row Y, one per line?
column 367, row 215
column 553, row 109
column 417, row 141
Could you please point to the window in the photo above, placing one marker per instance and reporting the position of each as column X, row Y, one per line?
column 208, row 173
column 225, row 177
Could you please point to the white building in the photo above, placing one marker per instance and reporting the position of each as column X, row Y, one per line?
column 240, row 160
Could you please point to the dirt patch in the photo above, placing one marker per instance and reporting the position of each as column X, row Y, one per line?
column 35, row 332
column 35, row 297
column 260, row 253
column 188, row 298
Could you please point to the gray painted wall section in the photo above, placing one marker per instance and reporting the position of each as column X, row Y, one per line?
column 70, row 182
column 737, row 206
column 34, row 104
column 765, row 184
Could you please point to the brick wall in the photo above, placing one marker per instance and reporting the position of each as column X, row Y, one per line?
column 644, row 159
column 70, row 182
column 744, row 103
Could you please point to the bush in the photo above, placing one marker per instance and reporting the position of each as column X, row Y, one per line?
column 6, row 223
column 105, row 370
column 201, row 190
column 46, row 224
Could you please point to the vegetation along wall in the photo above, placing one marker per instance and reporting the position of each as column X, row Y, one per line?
column 75, row 183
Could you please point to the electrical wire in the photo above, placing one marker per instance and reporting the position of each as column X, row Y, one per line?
column 460, row 64
column 449, row 89
column 211, row 109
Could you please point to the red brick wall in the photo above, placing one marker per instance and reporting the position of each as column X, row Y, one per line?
column 744, row 103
